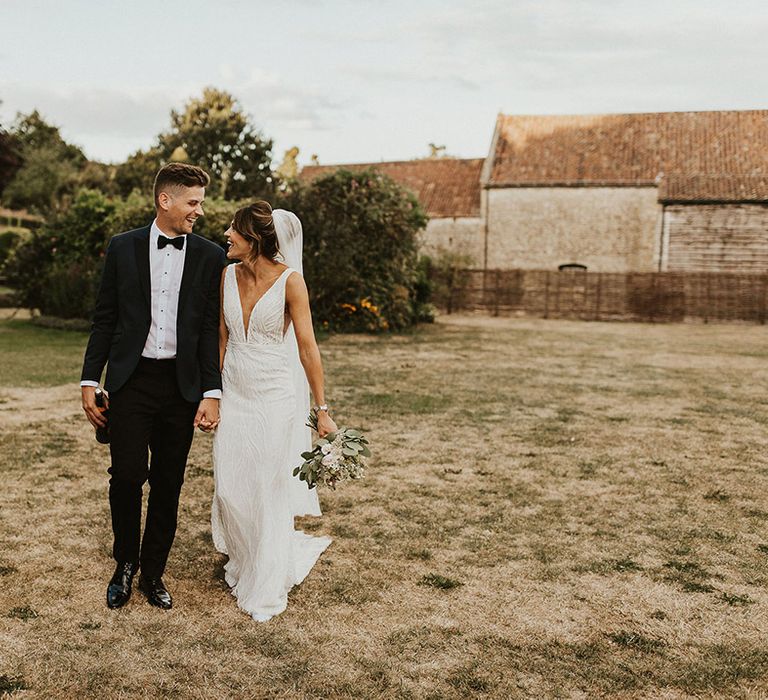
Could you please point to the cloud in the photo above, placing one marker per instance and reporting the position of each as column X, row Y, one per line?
column 93, row 110
column 110, row 123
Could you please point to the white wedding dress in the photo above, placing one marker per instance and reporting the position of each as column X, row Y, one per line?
column 257, row 444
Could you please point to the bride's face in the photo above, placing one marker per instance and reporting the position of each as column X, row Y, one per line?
column 238, row 247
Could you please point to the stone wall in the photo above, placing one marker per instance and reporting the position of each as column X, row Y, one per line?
column 608, row 229
column 465, row 236
column 716, row 238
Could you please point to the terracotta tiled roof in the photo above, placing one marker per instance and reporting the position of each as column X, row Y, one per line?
column 446, row 187
column 700, row 155
column 714, row 188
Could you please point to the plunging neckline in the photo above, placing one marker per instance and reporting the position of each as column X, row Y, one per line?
column 258, row 301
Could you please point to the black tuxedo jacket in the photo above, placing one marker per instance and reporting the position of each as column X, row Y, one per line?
column 123, row 314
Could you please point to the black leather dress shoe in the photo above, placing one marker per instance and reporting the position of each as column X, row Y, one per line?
column 156, row 592
column 119, row 588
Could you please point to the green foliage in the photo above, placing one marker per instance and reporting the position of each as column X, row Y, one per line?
column 81, row 232
column 9, row 239
column 138, row 210
column 422, row 291
column 213, row 132
column 218, row 217
column 98, row 176
column 49, row 173
column 68, row 289
column 138, row 172
column 10, row 158
column 360, row 258
column 134, row 211
column 56, row 270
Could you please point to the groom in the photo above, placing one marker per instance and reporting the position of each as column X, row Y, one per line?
column 156, row 328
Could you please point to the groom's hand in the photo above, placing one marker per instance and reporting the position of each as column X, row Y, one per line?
column 92, row 411
column 207, row 416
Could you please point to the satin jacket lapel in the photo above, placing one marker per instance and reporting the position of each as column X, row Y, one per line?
column 141, row 250
column 191, row 262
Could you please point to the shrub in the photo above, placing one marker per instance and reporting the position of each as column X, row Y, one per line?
column 56, row 269
column 69, row 289
column 360, row 255
column 9, row 239
column 360, row 250
column 135, row 211
column 138, row 210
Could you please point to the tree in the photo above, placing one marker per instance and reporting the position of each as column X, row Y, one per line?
column 360, row 250
column 10, row 158
column 215, row 134
column 49, row 174
column 138, row 171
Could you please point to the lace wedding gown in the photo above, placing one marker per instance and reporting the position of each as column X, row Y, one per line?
column 256, row 495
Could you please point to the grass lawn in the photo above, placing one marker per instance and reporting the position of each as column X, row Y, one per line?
column 554, row 509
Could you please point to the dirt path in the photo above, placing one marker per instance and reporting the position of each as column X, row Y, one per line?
column 21, row 406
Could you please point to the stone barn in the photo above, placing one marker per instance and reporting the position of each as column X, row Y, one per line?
column 628, row 192
column 447, row 188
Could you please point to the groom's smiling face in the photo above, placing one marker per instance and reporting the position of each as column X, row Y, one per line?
column 179, row 208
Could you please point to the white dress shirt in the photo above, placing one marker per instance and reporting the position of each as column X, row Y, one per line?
column 166, row 268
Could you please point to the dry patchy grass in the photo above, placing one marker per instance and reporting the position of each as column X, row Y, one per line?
column 555, row 509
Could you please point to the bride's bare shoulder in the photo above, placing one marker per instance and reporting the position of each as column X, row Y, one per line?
column 295, row 283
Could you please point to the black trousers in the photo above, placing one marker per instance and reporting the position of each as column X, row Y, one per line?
column 148, row 415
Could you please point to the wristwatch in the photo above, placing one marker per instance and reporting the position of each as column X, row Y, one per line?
column 322, row 407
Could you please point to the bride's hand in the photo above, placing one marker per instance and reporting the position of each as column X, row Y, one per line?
column 325, row 424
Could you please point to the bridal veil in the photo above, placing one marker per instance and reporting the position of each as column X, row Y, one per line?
column 290, row 239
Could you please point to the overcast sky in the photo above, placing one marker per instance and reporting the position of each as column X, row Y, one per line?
column 357, row 81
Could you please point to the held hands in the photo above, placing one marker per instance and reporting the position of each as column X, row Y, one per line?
column 92, row 411
column 325, row 424
column 207, row 417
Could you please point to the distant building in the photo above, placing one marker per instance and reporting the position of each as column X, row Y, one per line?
column 448, row 190
column 629, row 192
column 669, row 191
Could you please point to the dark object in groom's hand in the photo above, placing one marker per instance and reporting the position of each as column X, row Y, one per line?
column 102, row 434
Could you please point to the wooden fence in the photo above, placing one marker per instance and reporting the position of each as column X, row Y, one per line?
column 639, row 296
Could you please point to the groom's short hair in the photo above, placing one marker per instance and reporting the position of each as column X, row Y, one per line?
column 176, row 175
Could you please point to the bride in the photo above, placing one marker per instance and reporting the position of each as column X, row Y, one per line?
column 265, row 337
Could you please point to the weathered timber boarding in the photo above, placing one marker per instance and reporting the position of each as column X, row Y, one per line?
column 716, row 238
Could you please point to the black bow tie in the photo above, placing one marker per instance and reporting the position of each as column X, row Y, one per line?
column 177, row 242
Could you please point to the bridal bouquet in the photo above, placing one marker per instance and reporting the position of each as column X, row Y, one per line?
column 338, row 456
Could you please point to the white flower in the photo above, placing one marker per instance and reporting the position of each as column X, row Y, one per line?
column 329, row 459
column 325, row 449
